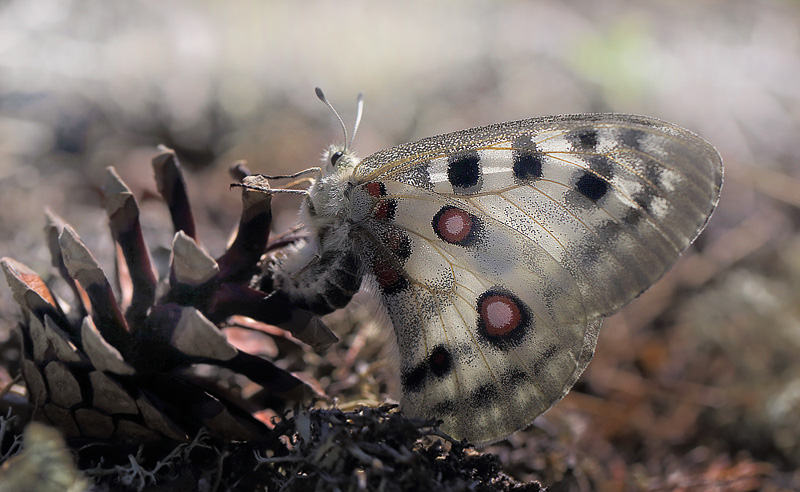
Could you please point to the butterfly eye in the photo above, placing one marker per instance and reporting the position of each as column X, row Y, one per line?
column 335, row 157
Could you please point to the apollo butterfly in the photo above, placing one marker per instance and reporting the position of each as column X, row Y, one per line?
column 497, row 251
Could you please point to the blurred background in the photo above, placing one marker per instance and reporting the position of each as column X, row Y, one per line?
column 89, row 84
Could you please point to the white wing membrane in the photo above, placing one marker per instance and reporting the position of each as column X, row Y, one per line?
column 499, row 250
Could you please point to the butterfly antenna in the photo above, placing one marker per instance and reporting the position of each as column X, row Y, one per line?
column 359, row 113
column 322, row 98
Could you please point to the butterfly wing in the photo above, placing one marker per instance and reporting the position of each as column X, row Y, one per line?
column 499, row 250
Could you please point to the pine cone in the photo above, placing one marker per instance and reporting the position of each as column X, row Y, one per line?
column 122, row 370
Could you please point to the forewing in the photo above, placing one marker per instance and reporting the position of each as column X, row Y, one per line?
column 498, row 250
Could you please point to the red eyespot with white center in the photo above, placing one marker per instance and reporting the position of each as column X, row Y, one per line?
column 503, row 319
column 500, row 314
column 455, row 226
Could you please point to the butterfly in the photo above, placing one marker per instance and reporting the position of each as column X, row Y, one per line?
column 497, row 251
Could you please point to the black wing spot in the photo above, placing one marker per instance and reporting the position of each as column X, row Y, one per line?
column 440, row 361
column 643, row 200
column 464, row 171
column 414, row 379
column 513, row 377
column 584, row 139
column 633, row 216
column 632, row 138
column 485, row 395
column 591, row 187
column 527, row 167
column 400, row 245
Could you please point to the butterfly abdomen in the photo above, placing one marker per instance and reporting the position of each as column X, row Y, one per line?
column 326, row 283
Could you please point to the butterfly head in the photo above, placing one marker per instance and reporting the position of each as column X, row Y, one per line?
column 337, row 158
